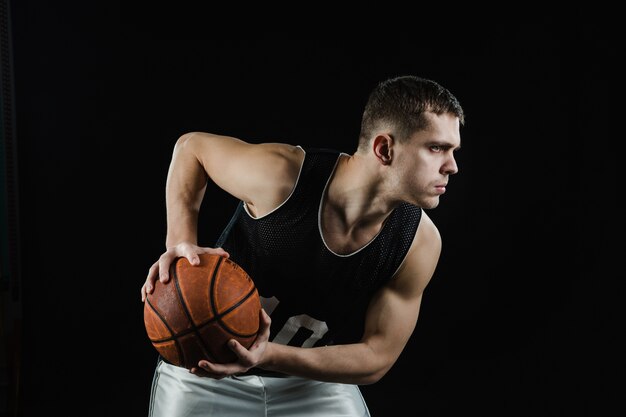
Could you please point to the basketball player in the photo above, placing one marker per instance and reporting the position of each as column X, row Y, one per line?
column 338, row 245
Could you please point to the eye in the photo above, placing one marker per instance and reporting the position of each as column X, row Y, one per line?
column 436, row 148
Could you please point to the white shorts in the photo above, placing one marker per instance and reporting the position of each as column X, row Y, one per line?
column 176, row 392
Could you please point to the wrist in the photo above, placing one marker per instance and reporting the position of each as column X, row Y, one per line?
column 268, row 362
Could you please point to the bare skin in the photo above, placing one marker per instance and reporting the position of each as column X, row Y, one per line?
column 363, row 191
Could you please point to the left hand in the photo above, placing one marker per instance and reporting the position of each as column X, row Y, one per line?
column 246, row 358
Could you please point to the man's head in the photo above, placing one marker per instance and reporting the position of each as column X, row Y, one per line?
column 398, row 106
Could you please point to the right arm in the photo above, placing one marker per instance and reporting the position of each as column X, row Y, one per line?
column 262, row 175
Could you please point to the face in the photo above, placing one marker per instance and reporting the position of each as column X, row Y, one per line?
column 425, row 163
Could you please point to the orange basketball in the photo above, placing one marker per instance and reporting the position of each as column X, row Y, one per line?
column 200, row 309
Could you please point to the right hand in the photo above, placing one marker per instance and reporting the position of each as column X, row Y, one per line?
column 246, row 358
column 160, row 269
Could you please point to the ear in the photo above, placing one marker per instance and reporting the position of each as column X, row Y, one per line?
column 382, row 145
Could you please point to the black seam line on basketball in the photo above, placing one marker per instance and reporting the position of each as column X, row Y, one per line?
column 199, row 327
column 212, row 288
column 185, row 332
column 162, row 320
column 216, row 315
column 215, row 272
column 225, row 326
column 182, row 333
column 179, row 348
column 160, row 316
column 193, row 329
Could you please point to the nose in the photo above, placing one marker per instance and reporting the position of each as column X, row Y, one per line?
column 450, row 167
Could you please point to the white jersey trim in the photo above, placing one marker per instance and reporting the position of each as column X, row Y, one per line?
column 245, row 206
column 319, row 216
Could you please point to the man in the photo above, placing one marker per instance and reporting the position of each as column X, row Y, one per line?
column 338, row 245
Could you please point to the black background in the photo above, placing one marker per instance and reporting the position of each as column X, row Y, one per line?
column 524, row 316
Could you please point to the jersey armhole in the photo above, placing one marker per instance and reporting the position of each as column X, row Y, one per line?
column 393, row 276
column 245, row 206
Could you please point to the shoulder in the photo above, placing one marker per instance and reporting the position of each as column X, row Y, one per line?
column 261, row 174
column 221, row 151
column 427, row 237
column 289, row 157
column 279, row 163
column 210, row 144
column 277, row 168
column 422, row 258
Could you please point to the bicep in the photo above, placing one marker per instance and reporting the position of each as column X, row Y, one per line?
column 247, row 171
column 393, row 311
column 390, row 321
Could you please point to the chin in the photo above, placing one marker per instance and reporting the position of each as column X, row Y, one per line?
column 428, row 204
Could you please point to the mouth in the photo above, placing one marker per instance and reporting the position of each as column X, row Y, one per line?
column 441, row 188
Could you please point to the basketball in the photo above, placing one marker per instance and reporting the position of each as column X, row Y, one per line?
column 200, row 308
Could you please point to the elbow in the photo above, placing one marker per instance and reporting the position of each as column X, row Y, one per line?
column 184, row 139
column 375, row 375
column 372, row 378
column 191, row 143
column 376, row 362
column 369, row 380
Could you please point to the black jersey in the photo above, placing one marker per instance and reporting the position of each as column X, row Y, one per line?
column 314, row 296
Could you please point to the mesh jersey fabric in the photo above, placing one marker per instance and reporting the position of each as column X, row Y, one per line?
column 318, row 297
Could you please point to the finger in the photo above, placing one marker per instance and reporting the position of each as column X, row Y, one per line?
column 266, row 320
column 148, row 286
column 153, row 273
column 164, row 267
column 144, row 292
column 193, row 259
column 236, row 347
column 221, row 252
column 191, row 254
column 264, row 326
column 245, row 357
column 204, row 374
column 216, row 251
column 220, row 369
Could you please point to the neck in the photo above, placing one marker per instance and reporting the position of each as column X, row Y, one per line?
column 356, row 197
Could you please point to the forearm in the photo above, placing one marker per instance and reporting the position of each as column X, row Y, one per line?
column 182, row 225
column 351, row 364
column 184, row 191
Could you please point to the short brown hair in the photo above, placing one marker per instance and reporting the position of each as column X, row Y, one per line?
column 401, row 102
